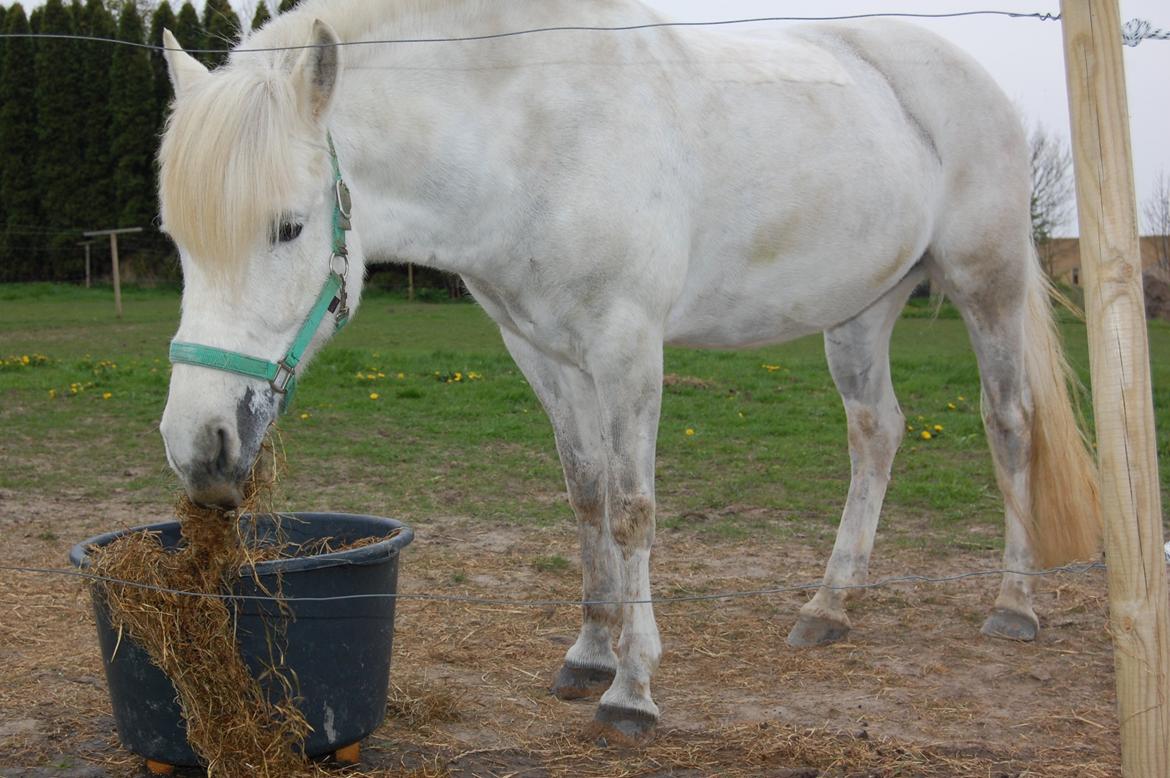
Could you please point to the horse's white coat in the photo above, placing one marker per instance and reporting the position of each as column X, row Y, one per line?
column 601, row 194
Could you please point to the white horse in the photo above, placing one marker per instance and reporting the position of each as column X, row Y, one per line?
column 604, row 193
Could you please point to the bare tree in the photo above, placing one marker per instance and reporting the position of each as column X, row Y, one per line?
column 1053, row 187
column 1156, row 215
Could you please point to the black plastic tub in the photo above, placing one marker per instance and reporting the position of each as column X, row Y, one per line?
column 338, row 649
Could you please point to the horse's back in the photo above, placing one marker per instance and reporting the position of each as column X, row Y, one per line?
column 822, row 193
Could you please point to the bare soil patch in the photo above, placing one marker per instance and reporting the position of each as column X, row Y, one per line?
column 915, row 691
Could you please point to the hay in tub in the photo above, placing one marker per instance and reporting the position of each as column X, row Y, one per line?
column 232, row 724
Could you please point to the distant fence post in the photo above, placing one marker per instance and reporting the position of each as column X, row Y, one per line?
column 1122, row 401
column 86, row 245
column 117, row 276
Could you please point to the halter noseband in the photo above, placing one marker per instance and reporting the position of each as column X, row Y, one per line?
column 281, row 375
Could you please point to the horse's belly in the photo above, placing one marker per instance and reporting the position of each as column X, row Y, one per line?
column 738, row 303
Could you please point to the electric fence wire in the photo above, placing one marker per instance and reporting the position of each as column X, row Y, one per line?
column 1041, row 16
column 1073, row 569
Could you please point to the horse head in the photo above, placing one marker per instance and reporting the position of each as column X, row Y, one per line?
column 251, row 193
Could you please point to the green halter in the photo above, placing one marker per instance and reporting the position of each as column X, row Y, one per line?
column 281, row 375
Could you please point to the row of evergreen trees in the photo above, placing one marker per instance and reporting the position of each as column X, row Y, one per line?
column 79, row 127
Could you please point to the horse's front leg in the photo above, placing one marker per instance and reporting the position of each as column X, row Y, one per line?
column 569, row 398
column 627, row 372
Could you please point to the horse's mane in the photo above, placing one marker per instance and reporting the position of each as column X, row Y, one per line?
column 229, row 161
column 226, row 163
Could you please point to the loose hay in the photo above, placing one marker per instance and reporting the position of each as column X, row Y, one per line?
column 232, row 724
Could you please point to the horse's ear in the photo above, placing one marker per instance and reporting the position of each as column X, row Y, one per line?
column 185, row 70
column 315, row 74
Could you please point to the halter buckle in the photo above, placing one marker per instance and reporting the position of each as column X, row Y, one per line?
column 344, row 204
column 284, row 374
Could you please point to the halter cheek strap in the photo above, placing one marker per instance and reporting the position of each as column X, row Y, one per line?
column 281, row 375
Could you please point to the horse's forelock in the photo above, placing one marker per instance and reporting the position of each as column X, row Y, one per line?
column 235, row 154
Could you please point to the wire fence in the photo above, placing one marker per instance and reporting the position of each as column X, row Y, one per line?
column 1073, row 569
column 560, row 28
column 1133, row 32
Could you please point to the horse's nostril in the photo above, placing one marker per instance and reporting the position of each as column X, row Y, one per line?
column 221, row 462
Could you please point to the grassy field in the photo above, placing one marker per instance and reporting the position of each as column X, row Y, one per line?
column 751, row 442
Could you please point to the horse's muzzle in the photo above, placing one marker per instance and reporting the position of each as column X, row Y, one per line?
column 214, row 459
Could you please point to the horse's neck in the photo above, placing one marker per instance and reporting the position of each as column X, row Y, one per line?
column 429, row 132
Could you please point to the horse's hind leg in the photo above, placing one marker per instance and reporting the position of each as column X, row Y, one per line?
column 570, row 400
column 858, row 355
column 995, row 320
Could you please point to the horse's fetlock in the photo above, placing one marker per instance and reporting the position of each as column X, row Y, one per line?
column 607, row 615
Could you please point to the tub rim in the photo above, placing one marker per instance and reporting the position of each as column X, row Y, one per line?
column 372, row 554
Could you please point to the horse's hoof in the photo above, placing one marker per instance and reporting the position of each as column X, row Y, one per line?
column 1010, row 625
column 812, row 631
column 576, row 682
column 615, row 727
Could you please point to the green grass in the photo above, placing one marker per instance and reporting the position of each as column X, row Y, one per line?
column 766, row 456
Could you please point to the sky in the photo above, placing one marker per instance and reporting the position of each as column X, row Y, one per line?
column 1026, row 57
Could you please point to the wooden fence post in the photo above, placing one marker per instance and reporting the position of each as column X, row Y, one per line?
column 114, row 260
column 86, row 246
column 1119, row 359
column 117, row 276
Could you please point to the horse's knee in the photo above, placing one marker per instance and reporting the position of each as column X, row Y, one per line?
column 632, row 522
column 587, row 498
column 875, row 433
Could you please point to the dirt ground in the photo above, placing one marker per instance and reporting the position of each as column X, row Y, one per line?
column 914, row 691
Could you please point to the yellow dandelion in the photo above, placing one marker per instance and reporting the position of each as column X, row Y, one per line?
column 741, row 414
column 374, row 395
column 24, row 360
column 962, row 399
column 690, row 432
column 304, row 416
column 951, row 406
column 401, row 376
column 370, row 376
column 52, row 394
column 926, row 435
column 107, row 395
column 771, row 368
column 458, row 376
column 909, row 428
column 381, row 375
column 938, row 428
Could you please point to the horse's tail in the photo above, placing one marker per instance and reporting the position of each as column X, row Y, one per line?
column 1065, row 519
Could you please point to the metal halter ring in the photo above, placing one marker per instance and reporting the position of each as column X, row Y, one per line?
column 344, row 266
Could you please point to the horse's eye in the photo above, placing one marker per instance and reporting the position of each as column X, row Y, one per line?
column 288, row 231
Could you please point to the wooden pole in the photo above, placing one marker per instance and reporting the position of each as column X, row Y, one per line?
column 114, row 260
column 117, row 275
column 410, row 282
column 1119, row 360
